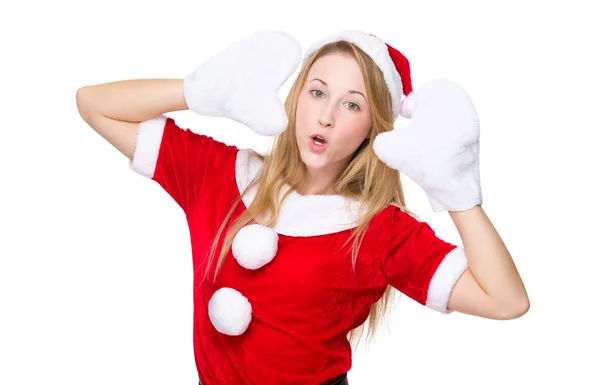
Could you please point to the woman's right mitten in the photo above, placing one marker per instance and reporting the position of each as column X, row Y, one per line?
column 242, row 81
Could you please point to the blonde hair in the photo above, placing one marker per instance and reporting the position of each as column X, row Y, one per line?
column 365, row 178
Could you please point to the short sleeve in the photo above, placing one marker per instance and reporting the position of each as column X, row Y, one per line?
column 421, row 265
column 180, row 160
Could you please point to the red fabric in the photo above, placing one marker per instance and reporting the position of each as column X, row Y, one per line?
column 307, row 299
column 414, row 256
column 403, row 67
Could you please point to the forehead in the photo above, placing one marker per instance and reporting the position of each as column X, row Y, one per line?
column 338, row 71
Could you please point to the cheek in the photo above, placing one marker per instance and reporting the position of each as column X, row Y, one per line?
column 302, row 112
column 356, row 131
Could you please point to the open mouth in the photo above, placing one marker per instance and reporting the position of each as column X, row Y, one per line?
column 319, row 140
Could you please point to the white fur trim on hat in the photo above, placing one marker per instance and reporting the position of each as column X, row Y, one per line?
column 254, row 246
column 229, row 311
column 377, row 50
column 444, row 279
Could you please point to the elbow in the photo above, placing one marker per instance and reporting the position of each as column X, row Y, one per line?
column 80, row 98
column 515, row 310
column 82, row 95
column 79, row 93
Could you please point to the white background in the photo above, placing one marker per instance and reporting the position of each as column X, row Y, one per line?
column 95, row 268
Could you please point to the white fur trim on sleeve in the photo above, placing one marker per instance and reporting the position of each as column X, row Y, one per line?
column 147, row 146
column 444, row 279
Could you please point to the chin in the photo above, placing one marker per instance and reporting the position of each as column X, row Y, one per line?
column 313, row 161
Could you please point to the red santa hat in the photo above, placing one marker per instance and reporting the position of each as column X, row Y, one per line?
column 393, row 64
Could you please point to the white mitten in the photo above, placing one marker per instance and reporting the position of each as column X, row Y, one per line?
column 242, row 81
column 439, row 149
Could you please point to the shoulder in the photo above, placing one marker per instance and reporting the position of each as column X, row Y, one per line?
column 248, row 165
column 397, row 224
column 395, row 215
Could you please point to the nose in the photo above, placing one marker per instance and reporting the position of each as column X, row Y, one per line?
column 326, row 118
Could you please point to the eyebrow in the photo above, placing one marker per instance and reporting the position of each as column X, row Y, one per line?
column 350, row 91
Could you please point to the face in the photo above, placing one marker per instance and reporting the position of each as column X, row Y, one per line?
column 332, row 104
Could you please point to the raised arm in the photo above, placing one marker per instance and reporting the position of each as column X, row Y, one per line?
column 492, row 286
column 230, row 84
column 114, row 110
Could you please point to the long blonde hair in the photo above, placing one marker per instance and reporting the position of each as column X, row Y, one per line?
column 365, row 178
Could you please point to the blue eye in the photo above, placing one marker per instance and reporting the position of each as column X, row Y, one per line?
column 318, row 94
column 356, row 108
column 313, row 93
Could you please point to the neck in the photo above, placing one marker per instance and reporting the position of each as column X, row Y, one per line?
column 317, row 185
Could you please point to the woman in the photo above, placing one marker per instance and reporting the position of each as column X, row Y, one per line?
column 295, row 249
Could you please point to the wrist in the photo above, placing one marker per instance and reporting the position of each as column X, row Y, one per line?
column 456, row 196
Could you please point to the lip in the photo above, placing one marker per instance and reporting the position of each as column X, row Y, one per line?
column 316, row 148
column 321, row 135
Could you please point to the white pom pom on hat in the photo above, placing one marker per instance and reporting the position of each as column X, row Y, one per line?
column 393, row 64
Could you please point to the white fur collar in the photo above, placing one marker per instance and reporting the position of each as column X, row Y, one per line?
column 300, row 215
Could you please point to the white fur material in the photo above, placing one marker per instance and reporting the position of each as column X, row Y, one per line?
column 439, row 149
column 377, row 50
column 407, row 105
column 229, row 311
column 242, row 81
column 147, row 145
column 254, row 246
column 300, row 215
column 444, row 279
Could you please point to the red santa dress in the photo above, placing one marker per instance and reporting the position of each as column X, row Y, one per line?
column 296, row 309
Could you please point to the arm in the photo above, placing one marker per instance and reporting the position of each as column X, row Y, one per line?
column 440, row 151
column 114, row 110
column 491, row 287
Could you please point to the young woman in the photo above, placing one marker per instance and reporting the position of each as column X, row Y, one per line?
column 295, row 249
